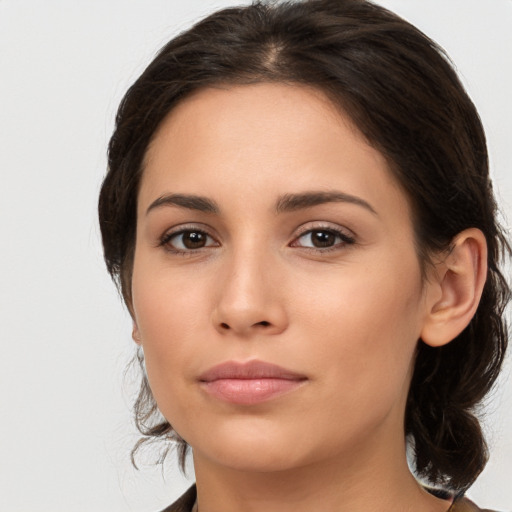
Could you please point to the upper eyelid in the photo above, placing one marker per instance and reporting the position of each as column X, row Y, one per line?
column 180, row 228
column 323, row 225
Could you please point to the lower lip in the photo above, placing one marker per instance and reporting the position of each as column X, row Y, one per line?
column 250, row 391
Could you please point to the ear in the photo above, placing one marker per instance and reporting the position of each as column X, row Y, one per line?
column 455, row 288
column 136, row 333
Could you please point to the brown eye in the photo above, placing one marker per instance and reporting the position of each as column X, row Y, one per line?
column 194, row 239
column 322, row 239
column 188, row 240
column 319, row 239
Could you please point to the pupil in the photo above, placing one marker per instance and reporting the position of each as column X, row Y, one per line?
column 323, row 238
column 194, row 240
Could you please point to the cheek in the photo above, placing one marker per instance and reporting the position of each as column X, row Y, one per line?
column 367, row 324
column 166, row 303
column 359, row 300
column 169, row 312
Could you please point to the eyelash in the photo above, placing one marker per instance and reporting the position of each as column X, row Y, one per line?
column 167, row 237
column 344, row 237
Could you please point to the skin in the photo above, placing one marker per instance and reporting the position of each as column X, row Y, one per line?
column 347, row 317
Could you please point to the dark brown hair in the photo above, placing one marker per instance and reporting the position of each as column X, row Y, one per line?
column 400, row 90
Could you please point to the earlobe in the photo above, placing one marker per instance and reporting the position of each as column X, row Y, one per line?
column 136, row 334
column 458, row 284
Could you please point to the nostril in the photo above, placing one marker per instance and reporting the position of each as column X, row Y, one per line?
column 264, row 324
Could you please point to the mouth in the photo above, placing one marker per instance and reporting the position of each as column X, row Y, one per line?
column 249, row 383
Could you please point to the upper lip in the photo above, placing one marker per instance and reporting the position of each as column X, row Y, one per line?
column 248, row 370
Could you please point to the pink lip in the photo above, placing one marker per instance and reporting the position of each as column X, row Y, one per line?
column 249, row 383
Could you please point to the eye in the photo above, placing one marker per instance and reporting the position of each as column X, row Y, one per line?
column 322, row 238
column 187, row 240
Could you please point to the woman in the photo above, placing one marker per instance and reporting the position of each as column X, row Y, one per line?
column 299, row 215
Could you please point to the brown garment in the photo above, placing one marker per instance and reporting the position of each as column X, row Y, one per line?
column 186, row 502
column 464, row 505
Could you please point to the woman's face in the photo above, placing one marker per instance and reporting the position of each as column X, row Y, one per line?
column 269, row 232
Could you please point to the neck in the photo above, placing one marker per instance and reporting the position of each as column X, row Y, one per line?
column 358, row 481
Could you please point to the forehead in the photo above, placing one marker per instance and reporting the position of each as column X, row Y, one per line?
column 263, row 137
column 268, row 114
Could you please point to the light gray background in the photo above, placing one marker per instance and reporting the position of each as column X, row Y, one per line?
column 65, row 423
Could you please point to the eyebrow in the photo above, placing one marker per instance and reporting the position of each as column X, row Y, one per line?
column 285, row 203
column 293, row 202
column 191, row 202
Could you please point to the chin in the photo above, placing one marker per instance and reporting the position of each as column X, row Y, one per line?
column 253, row 450
column 254, row 459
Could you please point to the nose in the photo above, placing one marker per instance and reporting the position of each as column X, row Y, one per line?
column 250, row 296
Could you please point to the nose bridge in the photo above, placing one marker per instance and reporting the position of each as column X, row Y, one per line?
column 248, row 271
column 248, row 297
